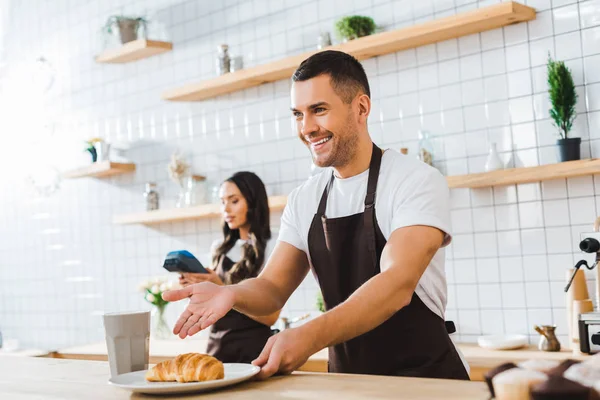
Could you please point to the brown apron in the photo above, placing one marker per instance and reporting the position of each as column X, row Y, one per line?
column 236, row 338
column 345, row 253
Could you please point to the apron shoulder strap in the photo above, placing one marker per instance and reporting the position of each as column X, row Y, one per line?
column 324, row 196
column 369, row 214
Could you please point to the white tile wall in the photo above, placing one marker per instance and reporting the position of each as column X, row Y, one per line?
column 64, row 263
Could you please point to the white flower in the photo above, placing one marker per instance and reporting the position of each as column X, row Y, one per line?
column 150, row 297
column 170, row 285
column 155, row 289
column 142, row 287
column 156, row 279
column 163, row 287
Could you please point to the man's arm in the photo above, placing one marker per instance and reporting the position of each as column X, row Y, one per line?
column 404, row 259
column 266, row 294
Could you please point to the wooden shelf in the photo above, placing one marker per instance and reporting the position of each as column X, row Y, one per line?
column 483, row 19
column 132, row 51
column 100, row 169
column 276, row 203
column 514, row 176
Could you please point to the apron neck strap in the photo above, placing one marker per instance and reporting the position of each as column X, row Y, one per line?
column 374, row 167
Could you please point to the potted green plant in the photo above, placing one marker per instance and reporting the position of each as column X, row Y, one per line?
column 320, row 302
column 355, row 26
column 563, row 99
column 128, row 26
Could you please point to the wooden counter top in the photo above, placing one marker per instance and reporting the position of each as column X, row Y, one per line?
column 52, row 379
column 480, row 360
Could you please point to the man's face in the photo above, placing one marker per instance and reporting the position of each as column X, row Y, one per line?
column 324, row 122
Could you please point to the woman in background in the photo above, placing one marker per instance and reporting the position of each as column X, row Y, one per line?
column 240, row 255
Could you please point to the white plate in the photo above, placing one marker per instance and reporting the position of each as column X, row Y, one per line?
column 502, row 342
column 136, row 381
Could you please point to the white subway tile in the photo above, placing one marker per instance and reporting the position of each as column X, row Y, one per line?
column 556, row 213
column 472, row 92
column 509, row 243
column 465, row 271
column 488, row 270
column 496, row 88
column 406, row 59
column 558, row 240
column 538, row 294
column 580, row 186
column 517, row 57
column 492, row 39
column 469, row 44
column 582, row 210
column 539, row 50
column 426, row 54
column 467, row 297
column 519, row 83
column 566, row 19
column 592, row 69
column 521, row 110
column 515, row 34
column 462, row 221
column 449, row 72
column 492, row 322
column 494, row 62
column 447, row 50
column 505, row 194
column 541, row 26
column 470, row 67
column 589, row 12
column 463, row 246
column 529, row 191
column 531, row 215
column 490, row 296
column 554, row 189
column 486, row 245
column 484, row 219
column 513, row 295
column 593, row 97
column 568, row 46
column 515, row 321
column 468, row 322
column 557, row 267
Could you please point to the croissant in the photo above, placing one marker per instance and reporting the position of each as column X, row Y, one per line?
column 188, row 367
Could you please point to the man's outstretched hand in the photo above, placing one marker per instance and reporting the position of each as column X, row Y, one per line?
column 208, row 304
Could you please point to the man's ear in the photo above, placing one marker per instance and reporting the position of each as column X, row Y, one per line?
column 364, row 107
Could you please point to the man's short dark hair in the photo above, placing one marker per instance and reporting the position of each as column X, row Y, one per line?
column 347, row 75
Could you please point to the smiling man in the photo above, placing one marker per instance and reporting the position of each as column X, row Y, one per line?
column 372, row 228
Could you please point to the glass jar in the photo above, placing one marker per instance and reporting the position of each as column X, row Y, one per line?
column 151, row 196
column 223, row 60
column 425, row 147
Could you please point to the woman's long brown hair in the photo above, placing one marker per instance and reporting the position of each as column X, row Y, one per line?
column 253, row 253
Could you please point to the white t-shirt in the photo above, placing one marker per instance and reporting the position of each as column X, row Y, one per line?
column 235, row 253
column 409, row 193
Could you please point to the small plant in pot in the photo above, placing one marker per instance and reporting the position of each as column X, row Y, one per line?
column 128, row 26
column 563, row 99
column 349, row 28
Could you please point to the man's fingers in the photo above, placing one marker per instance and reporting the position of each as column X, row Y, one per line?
column 179, row 294
column 181, row 321
column 272, row 365
column 208, row 321
column 188, row 324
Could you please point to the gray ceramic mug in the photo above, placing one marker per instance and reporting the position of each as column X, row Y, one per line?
column 127, row 341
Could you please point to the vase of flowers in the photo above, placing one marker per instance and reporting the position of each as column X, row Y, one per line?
column 153, row 290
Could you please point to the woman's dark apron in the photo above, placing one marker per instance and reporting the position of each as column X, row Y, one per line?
column 345, row 253
column 236, row 338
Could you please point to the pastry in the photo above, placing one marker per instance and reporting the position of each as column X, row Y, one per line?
column 189, row 367
column 515, row 383
column 557, row 387
column 495, row 371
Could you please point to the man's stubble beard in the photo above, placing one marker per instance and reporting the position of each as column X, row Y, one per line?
column 343, row 151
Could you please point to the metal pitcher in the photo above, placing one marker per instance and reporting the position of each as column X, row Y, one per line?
column 548, row 339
